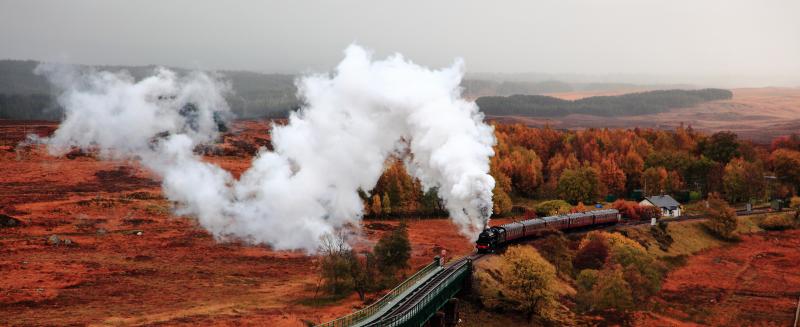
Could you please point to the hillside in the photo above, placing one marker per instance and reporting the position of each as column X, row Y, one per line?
column 756, row 114
column 25, row 95
column 619, row 105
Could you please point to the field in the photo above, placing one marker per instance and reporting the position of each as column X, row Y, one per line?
column 98, row 244
column 758, row 114
column 131, row 261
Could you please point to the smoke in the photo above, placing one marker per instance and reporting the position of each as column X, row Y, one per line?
column 351, row 121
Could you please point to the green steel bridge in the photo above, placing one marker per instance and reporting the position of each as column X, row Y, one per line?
column 415, row 300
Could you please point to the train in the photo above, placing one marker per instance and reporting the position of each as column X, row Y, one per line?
column 495, row 238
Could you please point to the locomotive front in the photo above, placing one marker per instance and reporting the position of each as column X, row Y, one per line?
column 487, row 241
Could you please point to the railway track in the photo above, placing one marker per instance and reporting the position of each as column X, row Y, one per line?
column 399, row 314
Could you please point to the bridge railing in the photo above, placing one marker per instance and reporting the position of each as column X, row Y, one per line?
column 360, row 315
column 433, row 301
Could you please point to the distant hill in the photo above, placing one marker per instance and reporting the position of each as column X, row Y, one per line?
column 25, row 95
column 620, row 105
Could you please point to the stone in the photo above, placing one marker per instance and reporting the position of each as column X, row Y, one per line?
column 53, row 240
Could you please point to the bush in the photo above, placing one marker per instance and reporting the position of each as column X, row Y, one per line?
column 591, row 254
column 628, row 209
column 722, row 220
column 555, row 248
column 600, row 290
column 552, row 207
column 334, row 264
column 585, row 281
column 695, row 196
column 523, row 281
column 649, row 212
column 611, row 291
column 392, row 252
column 778, row 222
column 640, row 271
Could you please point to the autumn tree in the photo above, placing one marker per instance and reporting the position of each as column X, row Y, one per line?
column 633, row 166
column 392, row 252
column 334, row 263
column 502, row 204
column 670, row 160
column 611, row 291
column 722, row 220
column 720, row 147
column 787, row 166
column 501, row 200
column 612, row 178
column 578, row 185
column 653, row 180
column 591, row 255
column 628, row 209
column 640, row 270
column 432, row 204
column 673, row 183
column 699, row 174
column 524, row 168
column 523, row 281
column 629, row 273
column 742, row 180
column 363, row 270
column 791, row 142
column 386, row 205
column 375, row 207
column 555, row 248
column 585, row 282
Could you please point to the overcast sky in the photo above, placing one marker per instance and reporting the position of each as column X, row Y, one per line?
column 758, row 39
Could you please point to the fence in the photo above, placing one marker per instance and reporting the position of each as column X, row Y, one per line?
column 360, row 315
column 426, row 307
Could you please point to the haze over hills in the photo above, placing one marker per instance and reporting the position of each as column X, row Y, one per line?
column 25, row 95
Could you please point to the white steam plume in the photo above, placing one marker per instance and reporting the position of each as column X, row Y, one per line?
column 350, row 123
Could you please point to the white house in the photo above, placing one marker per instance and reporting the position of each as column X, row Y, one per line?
column 669, row 207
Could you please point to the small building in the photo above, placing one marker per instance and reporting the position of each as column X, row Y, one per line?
column 669, row 207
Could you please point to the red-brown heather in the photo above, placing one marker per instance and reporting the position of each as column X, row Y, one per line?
column 176, row 273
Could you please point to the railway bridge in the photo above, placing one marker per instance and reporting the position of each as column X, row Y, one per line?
column 427, row 297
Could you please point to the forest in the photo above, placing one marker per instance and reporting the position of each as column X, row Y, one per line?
column 641, row 103
column 596, row 165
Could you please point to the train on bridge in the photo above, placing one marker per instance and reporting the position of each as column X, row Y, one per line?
column 494, row 238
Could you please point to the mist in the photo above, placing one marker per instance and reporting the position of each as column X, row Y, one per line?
column 351, row 121
column 712, row 43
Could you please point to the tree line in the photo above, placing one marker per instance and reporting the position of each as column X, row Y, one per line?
column 619, row 105
column 608, row 164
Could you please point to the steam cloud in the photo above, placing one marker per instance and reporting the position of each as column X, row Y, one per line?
column 352, row 120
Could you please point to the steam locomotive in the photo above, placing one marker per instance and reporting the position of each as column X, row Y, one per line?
column 494, row 238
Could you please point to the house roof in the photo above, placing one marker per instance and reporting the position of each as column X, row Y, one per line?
column 663, row 201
